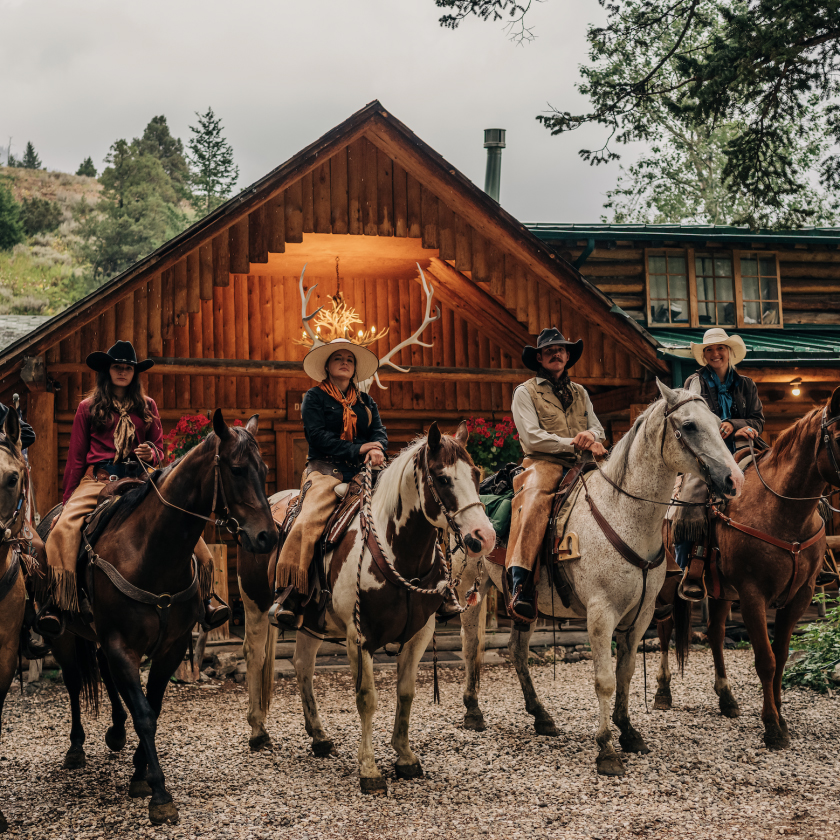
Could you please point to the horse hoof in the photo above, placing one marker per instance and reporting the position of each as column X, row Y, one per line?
column 75, row 759
column 139, row 789
column 474, row 721
column 377, row 784
column 260, row 742
column 545, row 726
column 166, row 812
column 632, row 742
column 776, row 740
column 662, row 702
column 323, row 748
column 610, row 765
column 114, row 739
column 730, row 709
column 409, row 771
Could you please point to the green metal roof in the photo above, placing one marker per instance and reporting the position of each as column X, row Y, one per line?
column 782, row 347
column 688, row 233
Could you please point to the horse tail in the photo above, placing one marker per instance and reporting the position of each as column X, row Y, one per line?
column 682, row 629
column 267, row 675
column 88, row 668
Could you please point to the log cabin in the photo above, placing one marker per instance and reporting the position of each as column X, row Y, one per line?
column 219, row 307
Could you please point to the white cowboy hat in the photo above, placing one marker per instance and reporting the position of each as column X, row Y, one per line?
column 316, row 359
column 737, row 348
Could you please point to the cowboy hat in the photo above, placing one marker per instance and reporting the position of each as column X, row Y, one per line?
column 315, row 361
column 548, row 337
column 737, row 348
column 122, row 353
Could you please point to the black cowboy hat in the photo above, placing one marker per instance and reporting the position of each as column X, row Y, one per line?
column 547, row 338
column 122, row 353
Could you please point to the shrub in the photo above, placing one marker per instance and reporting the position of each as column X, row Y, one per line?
column 87, row 168
column 11, row 226
column 492, row 445
column 821, row 643
column 40, row 215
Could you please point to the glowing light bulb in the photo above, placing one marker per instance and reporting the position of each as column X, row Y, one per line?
column 373, row 329
column 360, row 333
column 796, row 392
column 318, row 330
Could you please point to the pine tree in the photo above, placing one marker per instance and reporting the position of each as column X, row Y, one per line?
column 214, row 172
column 30, row 158
column 87, row 168
column 158, row 141
column 11, row 227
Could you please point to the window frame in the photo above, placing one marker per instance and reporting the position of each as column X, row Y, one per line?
column 693, row 308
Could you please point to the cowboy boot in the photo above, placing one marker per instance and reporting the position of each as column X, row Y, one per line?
column 285, row 612
column 48, row 622
column 692, row 587
column 214, row 616
column 450, row 608
column 522, row 600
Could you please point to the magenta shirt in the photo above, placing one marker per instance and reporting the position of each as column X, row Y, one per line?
column 89, row 446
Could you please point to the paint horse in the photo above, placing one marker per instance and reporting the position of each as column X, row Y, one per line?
column 14, row 481
column 671, row 436
column 772, row 542
column 431, row 485
column 144, row 589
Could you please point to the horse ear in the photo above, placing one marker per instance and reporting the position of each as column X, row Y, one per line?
column 253, row 424
column 433, row 438
column 462, row 435
column 833, row 404
column 219, row 425
column 668, row 394
column 694, row 386
column 12, row 426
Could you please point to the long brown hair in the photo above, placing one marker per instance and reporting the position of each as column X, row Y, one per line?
column 102, row 398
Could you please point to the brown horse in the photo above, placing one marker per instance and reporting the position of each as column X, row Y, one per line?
column 431, row 485
column 142, row 583
column 13, row 481
column 800, row 467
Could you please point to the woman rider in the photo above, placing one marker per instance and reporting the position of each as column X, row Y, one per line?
column 734, row 399
column 344, row 432
column 114, row 422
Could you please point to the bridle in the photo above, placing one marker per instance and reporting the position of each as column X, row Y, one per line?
column 833, row 456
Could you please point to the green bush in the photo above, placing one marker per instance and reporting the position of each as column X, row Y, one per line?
column 40, row 215
column 821, row 641
column 11, row 226
column 86, row 167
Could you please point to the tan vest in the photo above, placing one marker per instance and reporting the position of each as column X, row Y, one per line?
column 555, row 419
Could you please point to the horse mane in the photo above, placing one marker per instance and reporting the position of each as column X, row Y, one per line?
column 790, row 438
column 618, row 463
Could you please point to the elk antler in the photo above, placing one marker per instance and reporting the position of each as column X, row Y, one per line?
column 316, row 341
column 428, row 319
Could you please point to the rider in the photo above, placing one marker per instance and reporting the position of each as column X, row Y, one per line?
column 734, row 399
column 554, row 418
column 114, row 422
column 344, row 432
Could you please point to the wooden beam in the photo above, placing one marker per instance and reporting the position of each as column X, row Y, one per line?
column 806, row 374
column 478, row 308
column 294, row 370
column 512, row 237
column 620, row 399
column 40, row 414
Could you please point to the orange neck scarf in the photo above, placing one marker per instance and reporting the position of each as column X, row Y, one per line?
column 347, row 403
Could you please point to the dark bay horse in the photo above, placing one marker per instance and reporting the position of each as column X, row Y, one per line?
column 13, row 483
column 148, row 543
column 800, row 466
column 430, row 485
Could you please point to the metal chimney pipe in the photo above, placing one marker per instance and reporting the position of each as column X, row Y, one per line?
column 494, row 142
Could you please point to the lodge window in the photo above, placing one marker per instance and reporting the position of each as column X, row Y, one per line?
column 719, row 289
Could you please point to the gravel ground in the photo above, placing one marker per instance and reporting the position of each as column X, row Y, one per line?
column 706, row 777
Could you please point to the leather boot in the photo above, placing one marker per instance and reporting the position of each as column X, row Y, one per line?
column 285, row 612
column 48, row 622
column 522, row 600
column 214, row 616
column 692, row 586
column 450, row 608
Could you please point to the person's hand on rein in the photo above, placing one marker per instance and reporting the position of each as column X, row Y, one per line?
column 586, row 442
column 373, row 453
column 746, row 433
column 145, row 453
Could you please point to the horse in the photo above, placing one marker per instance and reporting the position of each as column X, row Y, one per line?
column 143, row 586
column 385, row 588
column 671, row 436
column 13, row 484
column 775, row 562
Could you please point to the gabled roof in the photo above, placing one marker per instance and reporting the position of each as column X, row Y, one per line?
column 417, row 158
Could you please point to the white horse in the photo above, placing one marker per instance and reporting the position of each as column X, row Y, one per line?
column 607, row 589
column 432, row 484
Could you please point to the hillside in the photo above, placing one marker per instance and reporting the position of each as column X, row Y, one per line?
column 41, row 276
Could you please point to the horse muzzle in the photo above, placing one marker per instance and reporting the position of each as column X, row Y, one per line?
column 260, row 543
column 727, row 480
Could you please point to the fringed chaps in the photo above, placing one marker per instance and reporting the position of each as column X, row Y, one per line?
column 691, row 524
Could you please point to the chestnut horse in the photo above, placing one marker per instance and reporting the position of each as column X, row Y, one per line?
column 13, row 482
column 800, row 466
column 431, row 485
column 142, row 583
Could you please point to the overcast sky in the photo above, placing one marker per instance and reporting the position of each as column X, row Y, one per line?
column 79, row 74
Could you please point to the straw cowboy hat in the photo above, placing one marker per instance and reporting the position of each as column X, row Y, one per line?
column 315, row 361
column 737, row 348
column 547, row 338
column 122, row 353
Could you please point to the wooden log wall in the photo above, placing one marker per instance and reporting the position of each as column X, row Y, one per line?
column 810, row 276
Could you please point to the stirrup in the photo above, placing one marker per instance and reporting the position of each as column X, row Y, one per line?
column 691, row 589
column 529, row 615
column 284, row 618
column 214, row 616
column 53, row 622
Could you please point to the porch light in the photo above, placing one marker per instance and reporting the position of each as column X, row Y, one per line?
column 794, row 387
